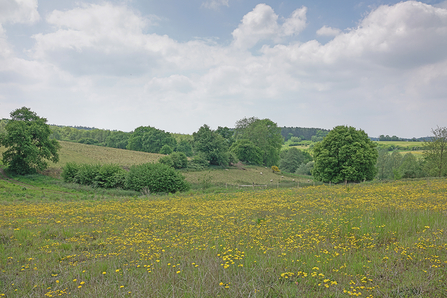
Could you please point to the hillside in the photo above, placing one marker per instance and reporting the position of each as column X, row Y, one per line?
column 242, row 175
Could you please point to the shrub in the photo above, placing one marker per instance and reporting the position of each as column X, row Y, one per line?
column 110, row 176
column 166, row 160
column 156, row 177
column 179, row 160
column 87, row 173
column 106, row 176
column 166, row 149
column 305, row 168
column 199, row 162
column 69, row 172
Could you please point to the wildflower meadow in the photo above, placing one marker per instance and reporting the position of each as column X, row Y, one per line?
column 367, row 240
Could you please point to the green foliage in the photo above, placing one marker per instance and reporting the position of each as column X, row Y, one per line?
column 394, row 166
column 69, row 172
column 166, row 149
column 179, row 160
column 150, row 139
column 247, row 152
column 156, row 177
column 117, row 139
column 232, row 158
column 345, row 154
column 304, row 133
column 305, row 169
column 28, row 143
column 199, row 162
column 264, row 134
column 435, row 154
column 105, row 176
column 212, row 145
column 166, row 160
column 410, row 167
column 292, row 158
column 227, row 134
column 185, row 147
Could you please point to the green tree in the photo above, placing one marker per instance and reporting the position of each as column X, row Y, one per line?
column 212, row 144
column 292, row 158
column 28, row 143
column 117, row 139
column 264, row 134
column 185, row 147
column 410, row 167
column 247, row 152
column 150, row 139
column 345, row 154
column 435, row 154
column 166, row 149
column 382, row 162
column 179, row 160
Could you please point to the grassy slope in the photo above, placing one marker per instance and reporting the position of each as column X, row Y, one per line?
column 367, row 240
column 82, row 153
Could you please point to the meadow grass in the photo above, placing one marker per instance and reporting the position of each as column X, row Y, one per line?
column 401, row 143
column 368, row 240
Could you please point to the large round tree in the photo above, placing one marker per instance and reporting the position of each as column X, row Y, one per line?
column 28, row 143
column 345, row 154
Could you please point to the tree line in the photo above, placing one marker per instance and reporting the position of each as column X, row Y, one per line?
column 342, row 154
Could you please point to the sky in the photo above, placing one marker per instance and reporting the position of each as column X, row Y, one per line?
column 379, row 66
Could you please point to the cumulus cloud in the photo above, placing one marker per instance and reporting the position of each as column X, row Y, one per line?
column 296, row 23
column 261, row 24
column 215, row 4
column 328, row 31
column 389, row 67
column 19, row 11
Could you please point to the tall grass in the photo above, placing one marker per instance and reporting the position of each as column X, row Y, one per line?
column 368, row 240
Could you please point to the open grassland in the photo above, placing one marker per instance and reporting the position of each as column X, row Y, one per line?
column 248, row 175
column 367, row 240
column 82, row 153
column 401, row 143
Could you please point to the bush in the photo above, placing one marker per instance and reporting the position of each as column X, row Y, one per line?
column 105, row 176
column 166, row 160
column 156, row 177
column 179, row 160
column 69, row 172
column 305, row 169
column 110, row 176
column 166, row 149
column 87, row 173
column 199, row 162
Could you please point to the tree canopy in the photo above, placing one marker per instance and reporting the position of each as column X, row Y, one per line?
column 292, row 158
column 150, row 139
column 435, row 153
column 28, row 143
column 345, row 154
column 212, row 145
column 264, row 134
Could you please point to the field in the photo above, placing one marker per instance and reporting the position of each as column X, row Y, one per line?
column 367, row 240
column 233, row 177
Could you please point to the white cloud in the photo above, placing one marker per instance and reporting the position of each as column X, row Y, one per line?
column 261, row 24
column 328, row 31
column 215, row 4
column 18, row 11
column 102, row 66
column 296, row 23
